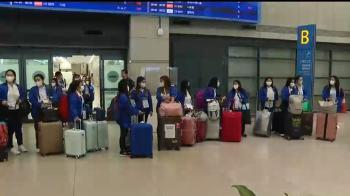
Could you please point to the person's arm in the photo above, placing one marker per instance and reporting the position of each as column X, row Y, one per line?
column 325, row 94
column 276, row 93
column 22, row 93
column 150, row 101
column 245, row 98
column 173, row 93
column 305, row 94
column 92, row 93
column 33, row 98
column 125, row 105
column 209, row 94
column 228, row 102
column 159, row 96
column 262, row 94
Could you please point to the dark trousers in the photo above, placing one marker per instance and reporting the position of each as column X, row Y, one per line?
column 243, row 128
column 143, row 117
column 36, row 127
column 14, row 125
column 122, row 139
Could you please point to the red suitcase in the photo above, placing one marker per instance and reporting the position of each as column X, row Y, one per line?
column 231, row 126
column 188, row 131
column 201, row 130
column 326, row 126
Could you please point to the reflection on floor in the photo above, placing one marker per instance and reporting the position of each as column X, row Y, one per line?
column 269, row 166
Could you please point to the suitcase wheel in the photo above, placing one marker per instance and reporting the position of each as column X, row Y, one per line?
column 151, row 157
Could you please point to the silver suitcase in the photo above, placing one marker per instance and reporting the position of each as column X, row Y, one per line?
column 213, row 130
column 74, row 142
column 90, row 128
column 102, row 135
column 263, row 123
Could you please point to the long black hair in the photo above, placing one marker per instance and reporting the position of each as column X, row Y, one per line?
column 184, row 87
column 74, row 86
column 239, row 85
column 123, row 87
column 213, row 82
column 289, row 80
column 266, row 80
column 336, row 84
column 138, row 82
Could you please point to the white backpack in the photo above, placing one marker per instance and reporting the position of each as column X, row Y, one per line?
column 213, row 110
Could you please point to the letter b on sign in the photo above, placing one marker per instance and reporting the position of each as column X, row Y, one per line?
column 305, row 37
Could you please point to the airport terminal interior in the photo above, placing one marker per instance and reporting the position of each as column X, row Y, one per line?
column 242, row 98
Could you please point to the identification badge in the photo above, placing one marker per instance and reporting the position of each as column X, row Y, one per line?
column 145, row 104
column 169, row 131
column 84, row 114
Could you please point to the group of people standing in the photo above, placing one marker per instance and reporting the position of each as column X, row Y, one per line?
column 137, row 99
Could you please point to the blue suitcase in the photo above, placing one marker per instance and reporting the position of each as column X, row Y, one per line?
column 141, row 140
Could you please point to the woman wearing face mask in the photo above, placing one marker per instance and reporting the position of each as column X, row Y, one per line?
column 165, row 92
column 143, row 99
column 333, row 92
column 184, row 97
column 238, row 100
column 126, row 110
column 56, row 92
column 39, row 97
column 89, row 95
column 11, row 94
column 76, row 102
column 286, row 91
column 299, row 88
column 268, row 95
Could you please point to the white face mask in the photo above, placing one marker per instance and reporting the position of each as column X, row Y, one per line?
column 39, row 83
column 332, row 82
column 268, row 83
column 292, row 84
column 161, row 84
column 235, row 86
column 143, row 84
column 10, row 78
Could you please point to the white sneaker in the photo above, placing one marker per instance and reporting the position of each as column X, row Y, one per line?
column 22, row 148
column 15, row 151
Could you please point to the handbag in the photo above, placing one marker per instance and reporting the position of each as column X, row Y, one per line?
column 24, row 108
column 306, row 106
column 246, row 117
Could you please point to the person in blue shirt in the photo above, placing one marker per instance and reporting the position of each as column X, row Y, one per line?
column 11, row 95
column 165, row 92
column 268, row 95
column 211, row 90
column 238, row 100
column 56, row 92
column 184, row 96
column 76, row 102
column 287, row 90
column 299, row 88
column 88, row 94
column 39, row 98
column 143, row 99
column 126, row 110
column 333, row 92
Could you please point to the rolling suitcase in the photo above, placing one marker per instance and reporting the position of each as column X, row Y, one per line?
column 3, row 155
column 75, row 142
column 3, row 142
column 90, row 128
column 231, row 127
column 307, row 121
column 326, row 126
column 169, row 133
column 293, row 124
column 50, row 138
column 213, row 130
column 201, row 130
column 262, row 125
column 278, row 122
column 188, row 131
column 141, row 140
column 102, row 135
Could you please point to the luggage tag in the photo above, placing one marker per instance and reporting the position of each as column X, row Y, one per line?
column 169, row 130
column 145, row 104
column 84, row 114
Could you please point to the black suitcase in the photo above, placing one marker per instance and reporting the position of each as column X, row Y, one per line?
column 293, row 127
column 164, row 127
column 3, row 155
column 307, row 121
column 50, row 115
column 278, row 122
column 99, row 114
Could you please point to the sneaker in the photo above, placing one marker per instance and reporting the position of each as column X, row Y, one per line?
column 123, row 154
column 15, row 151
column 22, row 148
column 244, row 135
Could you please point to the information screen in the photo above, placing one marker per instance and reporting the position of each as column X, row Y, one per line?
column 247, row 12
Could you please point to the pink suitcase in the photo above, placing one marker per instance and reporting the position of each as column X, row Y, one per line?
column 188, row 131
column 201, row 130
column 326, row 126
column 170, row 109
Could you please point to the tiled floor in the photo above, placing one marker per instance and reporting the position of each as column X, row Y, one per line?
column 269, row 166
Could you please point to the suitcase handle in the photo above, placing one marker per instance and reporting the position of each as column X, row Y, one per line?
column 75, row 124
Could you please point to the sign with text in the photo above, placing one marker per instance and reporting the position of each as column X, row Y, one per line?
column 305, row 62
